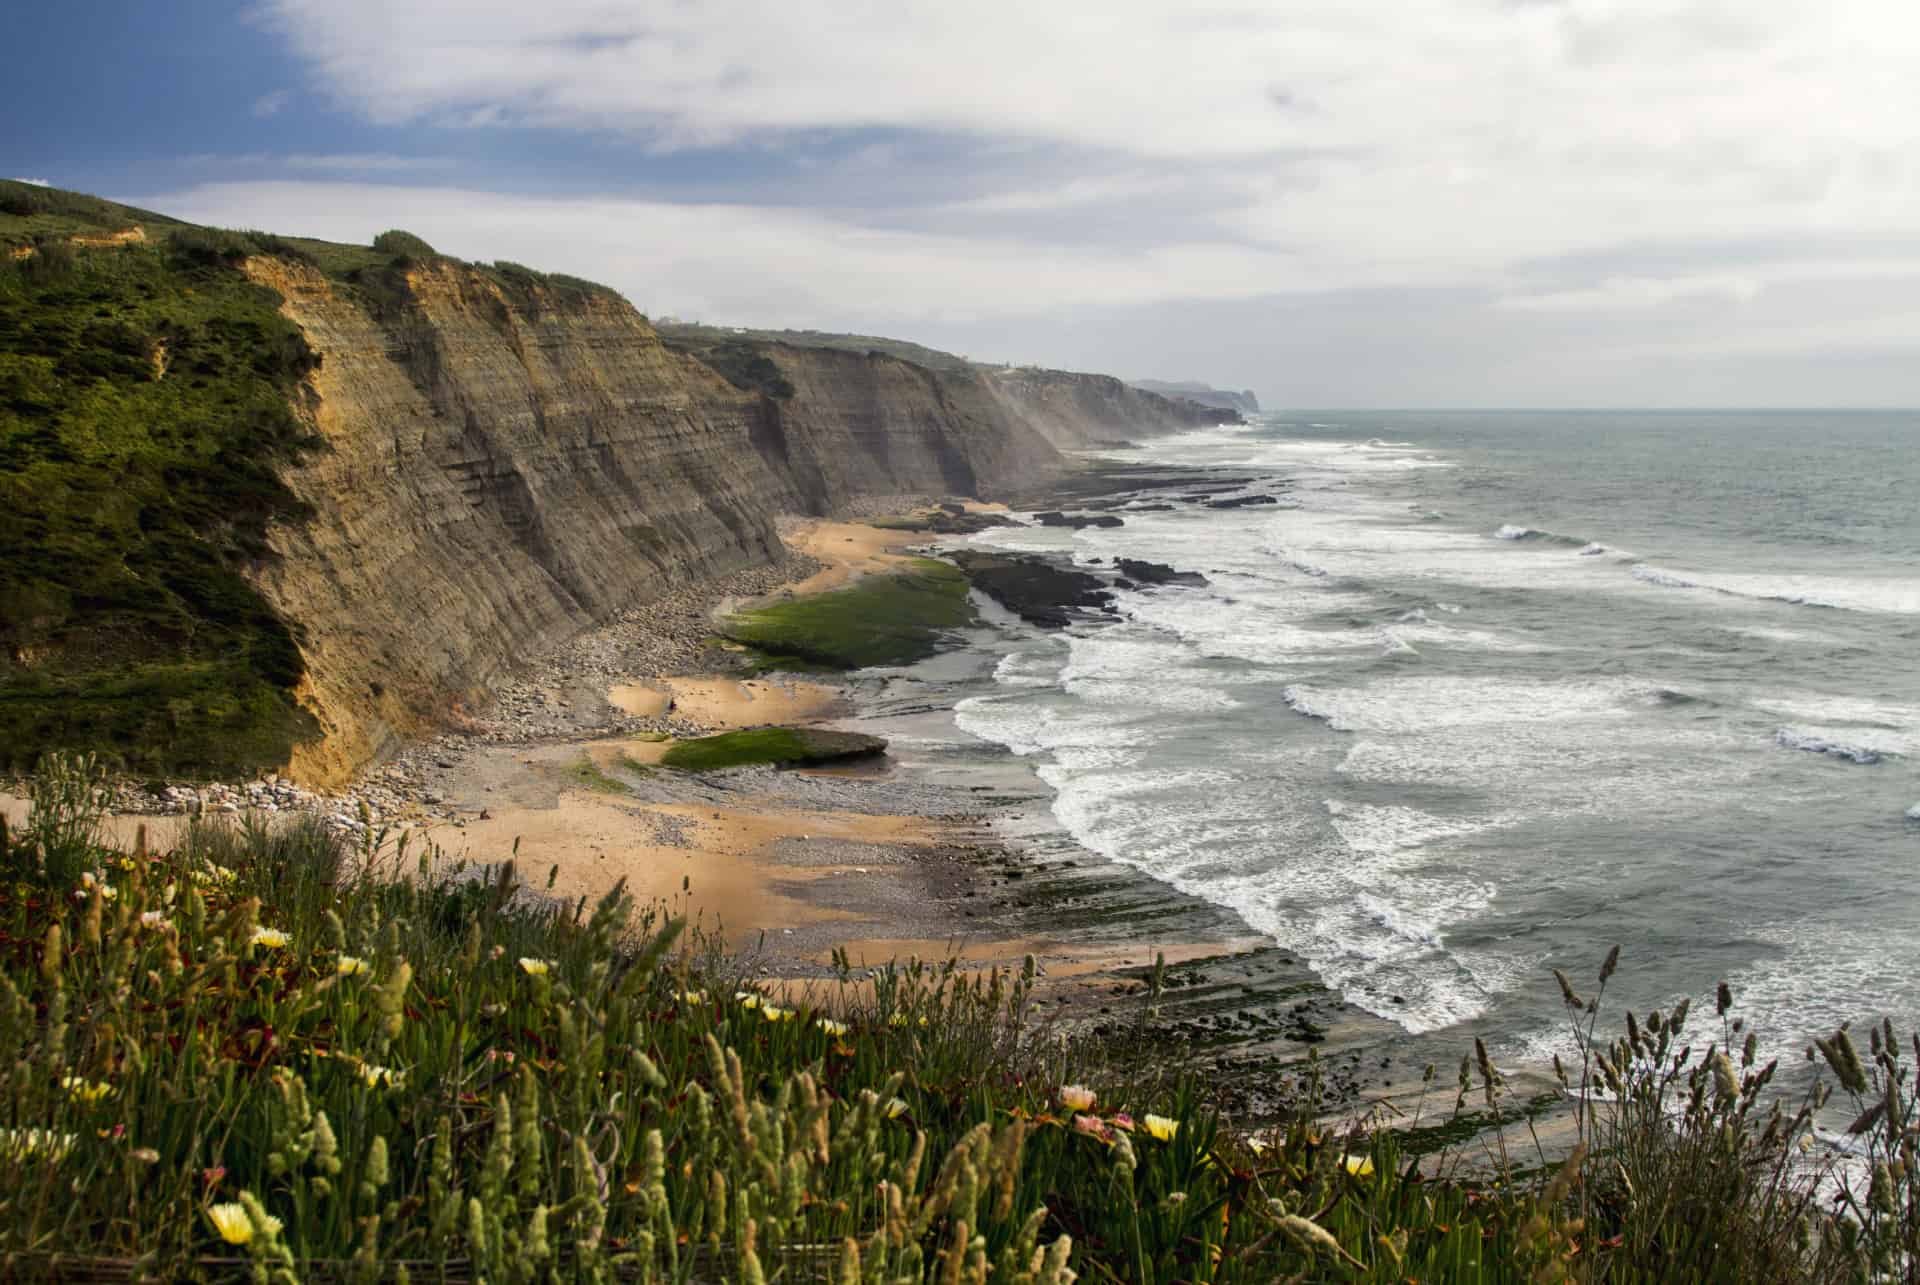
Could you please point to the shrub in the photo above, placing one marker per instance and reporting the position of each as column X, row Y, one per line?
column 402, row 245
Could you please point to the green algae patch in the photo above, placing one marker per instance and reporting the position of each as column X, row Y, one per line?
column 778, row 746
column 892, row 619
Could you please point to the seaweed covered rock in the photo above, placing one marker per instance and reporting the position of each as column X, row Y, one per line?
column 777, row 746
column 1077, row 520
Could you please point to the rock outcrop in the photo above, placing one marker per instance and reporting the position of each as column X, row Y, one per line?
column 1078, row 410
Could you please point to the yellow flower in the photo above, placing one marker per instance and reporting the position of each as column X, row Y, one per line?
column 231, row 1221
column 901, row 1019
column 691, row 998
column 348, row 965
column 1359, row 1166
column 1076, row 1097
column 154, row 919
column 377, row 1075
column 774, row 1013
column 895, row 1108
column 1161, row 1127
column 271, row 938
column 832, row 1027
column 534, row 967
column 747, row 999
column 85, row 1091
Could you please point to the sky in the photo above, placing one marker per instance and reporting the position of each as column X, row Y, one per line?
column 1425, row 203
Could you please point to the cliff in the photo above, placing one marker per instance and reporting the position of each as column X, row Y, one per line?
column 1243, row 401
column 410, row 473
column 1076, row 410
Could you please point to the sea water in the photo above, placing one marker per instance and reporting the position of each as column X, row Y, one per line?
column 1487, row 693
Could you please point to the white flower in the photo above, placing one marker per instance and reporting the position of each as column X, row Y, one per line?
column 747, row 999
column 832, row 1027
column 895, row 1108
column 154, row 919
column 21, row 1143
column 271, row 938
column 348, row 965
column 375, row 1076
column 1077, row 1097
column 534, row 967
column 231, row 1221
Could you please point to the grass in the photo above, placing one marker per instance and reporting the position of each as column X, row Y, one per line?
column 779, row 746
column 892, row 619
column 262, row 1053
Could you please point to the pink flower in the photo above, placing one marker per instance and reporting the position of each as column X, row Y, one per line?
column 1121, row 1120
column 1091, row 1125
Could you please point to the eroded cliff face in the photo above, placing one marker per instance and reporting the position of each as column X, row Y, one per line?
column 496, row 479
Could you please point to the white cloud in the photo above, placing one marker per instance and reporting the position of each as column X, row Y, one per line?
column 272, row 104
column 768, row 265
column 37, row 182
column 362, row 162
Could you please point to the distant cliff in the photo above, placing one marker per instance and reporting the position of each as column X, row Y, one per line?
column 1072, row 409
column 1243, row 401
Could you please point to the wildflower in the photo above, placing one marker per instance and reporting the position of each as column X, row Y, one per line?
column 348, row 965
column 25, row 1143
column 375, row 1076
column 1161, row 1127
column 1077, row 1097
column 271, row 938
column 895, row 1108
column 236, row 1226
column 774, row 1013
column 497, row 951
column 534, row 967
column 84, row 1091
column 1091, row 1125
column 231, row 1221
column 691, row 998
column 154, row 919
column 747, row 999
column 1360, row 1166
column 901, row 1019
column 1121, row 1120
column 146, row 1155
column 832, row 1027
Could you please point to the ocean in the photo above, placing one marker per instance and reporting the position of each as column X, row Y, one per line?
column 1485, row 694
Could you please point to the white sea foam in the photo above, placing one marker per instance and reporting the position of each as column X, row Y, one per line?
column 1424, row 702
column 1815, row 742
column 1913, row 813
column 1897, row 596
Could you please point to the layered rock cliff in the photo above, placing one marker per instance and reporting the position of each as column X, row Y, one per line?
column 1071, row 409
column 504, row 469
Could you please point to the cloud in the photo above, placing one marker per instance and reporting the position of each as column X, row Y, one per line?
column 37, row 182
column 1563, row 165
column 272, row 104
column 773, row 266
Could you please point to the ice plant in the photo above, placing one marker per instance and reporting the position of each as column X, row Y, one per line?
column 895, row 1108
column 271, row 938
column 1161, row 1127
column 349, row 965
column 1077, row 1097
column 231, row 1221
column 534, row 967
column 832, row 1027
column 26, row 1143
column 1359, row 1166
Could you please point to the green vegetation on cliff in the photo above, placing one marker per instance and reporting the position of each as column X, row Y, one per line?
column 892, row 619
column 145, row 407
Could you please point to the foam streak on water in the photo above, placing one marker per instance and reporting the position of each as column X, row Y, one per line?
column 1431, row 727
